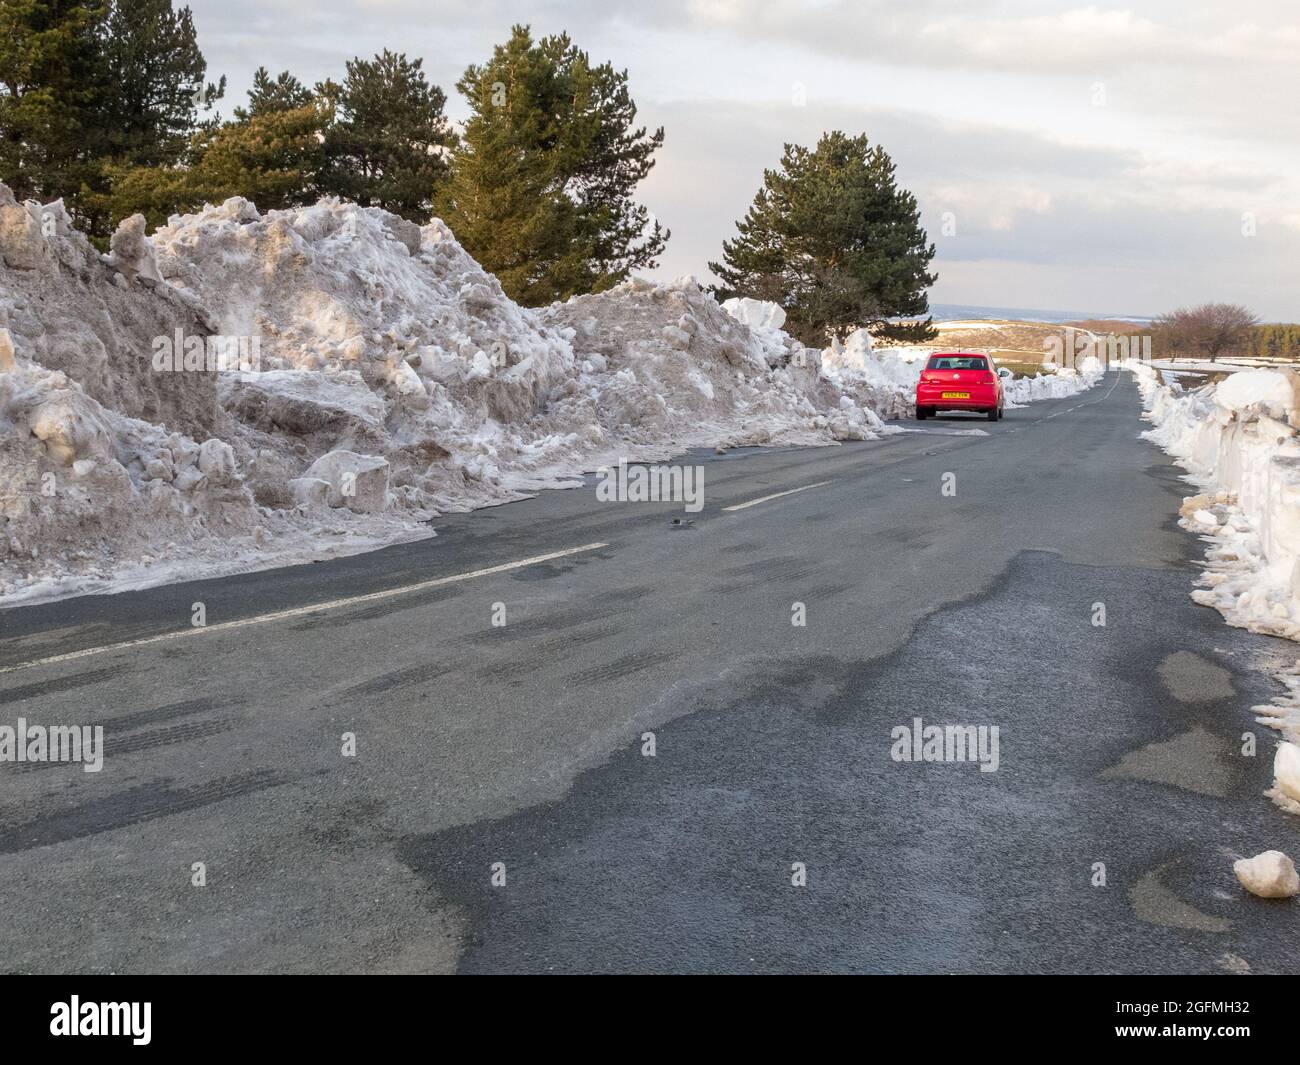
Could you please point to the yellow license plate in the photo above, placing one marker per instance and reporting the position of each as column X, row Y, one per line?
column 956, row 395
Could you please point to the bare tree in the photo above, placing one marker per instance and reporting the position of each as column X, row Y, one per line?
column 1210, row 329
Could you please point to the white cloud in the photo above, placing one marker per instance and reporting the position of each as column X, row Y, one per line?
column 988, row 107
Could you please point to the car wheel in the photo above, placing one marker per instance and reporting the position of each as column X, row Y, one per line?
column 921, row 412
column 993, row 414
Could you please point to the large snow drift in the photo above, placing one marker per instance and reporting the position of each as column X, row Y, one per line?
column 369, row 375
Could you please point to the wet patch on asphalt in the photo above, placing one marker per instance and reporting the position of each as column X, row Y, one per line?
column 1196, row 761
column 1192, row 678
column 683, row 861
column 1152, row 901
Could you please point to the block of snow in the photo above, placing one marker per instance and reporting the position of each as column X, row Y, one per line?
column 402, row 231
column 1270, row 875
column 1268, row 389
column 310, row 491
column 1286, row 770
column 757, row 314
column 132, row 253
column 303, row 402
column 52, row 217
column 480, row 367
column 72, row 426
column 158, row 470
column 188, row 479
column 217, row 461
column 1204, row 517
column 406, row 380
column 358, row 482
column 677, row 337
column 22, row 244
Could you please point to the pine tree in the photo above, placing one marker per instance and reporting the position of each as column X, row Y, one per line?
column 387, row 146
column 541, row 188
column 150, row 99
column 92, row 88
column 271, row 158
column 153, row 83
column 833, row 239
column 284, row 92
column 48, row 80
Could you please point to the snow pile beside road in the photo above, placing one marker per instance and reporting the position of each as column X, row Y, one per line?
column 1062, row 384
column 1239, row 442
column 382, row 339
column 894, row 369
column 1270, row 391
column 663, row 366
column 379, row 377
column 101, row 458
column 483, row 400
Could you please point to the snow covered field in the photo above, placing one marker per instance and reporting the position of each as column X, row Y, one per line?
column 370, row 377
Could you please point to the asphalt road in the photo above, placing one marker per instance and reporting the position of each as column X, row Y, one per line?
column 520, row 747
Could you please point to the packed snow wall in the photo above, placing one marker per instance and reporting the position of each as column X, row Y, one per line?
column 1238, row 440
column 241, row 390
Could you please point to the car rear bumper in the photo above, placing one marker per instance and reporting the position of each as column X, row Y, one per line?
column 932, row 396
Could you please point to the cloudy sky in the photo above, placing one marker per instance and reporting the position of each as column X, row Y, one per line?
column 1115, row 159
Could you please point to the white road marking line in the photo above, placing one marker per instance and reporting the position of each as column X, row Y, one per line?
column 299, row 611
column 1080, row 406
column 774, row 495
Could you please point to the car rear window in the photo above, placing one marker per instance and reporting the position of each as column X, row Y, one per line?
column 957, row 362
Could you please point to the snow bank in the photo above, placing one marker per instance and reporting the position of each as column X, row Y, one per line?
column 1286, row 770
column 381, row 377
column 893, row 371
column 1062, row 384
column 1238, row 441
column 101, row 458
column 664, row 366
column 1271, row 391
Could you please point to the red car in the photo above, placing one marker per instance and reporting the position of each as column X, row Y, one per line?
column 958, row 381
